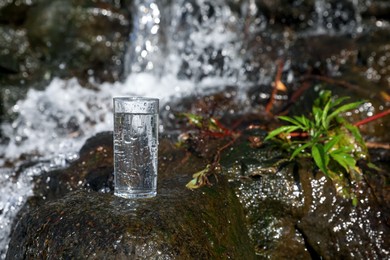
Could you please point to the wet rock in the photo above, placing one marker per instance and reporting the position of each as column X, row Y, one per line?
column 94, row 33
column 100, row 140
column 96, row 225
column 291, row 207
column 373, row 56
column 261, row 203
column 335, row 229
column 378, row 9
column 71, row 219
column 299, row 15
column 92, row 171
column 44, row 38
column 322, row 53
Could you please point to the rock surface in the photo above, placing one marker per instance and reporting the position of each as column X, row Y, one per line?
column 258, row 208
column 74, row 220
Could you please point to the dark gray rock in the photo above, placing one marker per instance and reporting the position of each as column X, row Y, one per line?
column 41, row 39
column 293, row 210
column 260, row 203
column 102, row 226
column 68, row 219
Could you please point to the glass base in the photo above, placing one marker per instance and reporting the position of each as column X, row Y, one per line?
column 135, row 194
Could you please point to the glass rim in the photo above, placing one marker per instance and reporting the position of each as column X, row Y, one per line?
column 135, row 98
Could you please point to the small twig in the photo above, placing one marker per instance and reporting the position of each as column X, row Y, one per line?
column 217, row 156
column 375, row 145
column 215, row 164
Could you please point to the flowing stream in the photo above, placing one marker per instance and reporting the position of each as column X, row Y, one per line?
column 177, row 48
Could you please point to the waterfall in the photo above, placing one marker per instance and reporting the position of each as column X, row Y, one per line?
column 190, row 40
column 144, row 42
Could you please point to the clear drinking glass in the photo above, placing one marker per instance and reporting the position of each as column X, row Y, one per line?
column 135, row 146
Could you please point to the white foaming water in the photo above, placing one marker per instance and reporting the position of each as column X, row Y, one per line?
column 14, row 193
column 60, row 118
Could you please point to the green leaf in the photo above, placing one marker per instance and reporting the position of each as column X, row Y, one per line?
column 354, row 201
column 193, row 184
column 194, row 119
column 344, row 160
column 323, row 98
column 324, row 116
column 198, row 178
column 283, row 129
column 304, row 122
column 317, row 112
column 300, row 149
column 334, row 144
column 333, row 140
column 358, row 137
column 338, row 101
column 291, row 120
column 343, row 109
column 202, row 172
column 320, row 157
column 374, row 167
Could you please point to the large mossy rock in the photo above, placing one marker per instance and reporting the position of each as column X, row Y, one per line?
column 68, row 218
column 97, row 225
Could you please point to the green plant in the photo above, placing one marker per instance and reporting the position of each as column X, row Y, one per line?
column 207, row 128
column 334, row 144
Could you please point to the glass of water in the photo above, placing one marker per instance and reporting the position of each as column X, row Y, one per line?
column 135, row 146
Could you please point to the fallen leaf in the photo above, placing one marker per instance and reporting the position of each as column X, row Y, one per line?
column 280, row 86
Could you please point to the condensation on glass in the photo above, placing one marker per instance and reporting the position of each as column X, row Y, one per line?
column 135, row 146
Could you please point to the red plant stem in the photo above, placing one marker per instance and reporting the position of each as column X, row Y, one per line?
column 224, row 130
column 297, row 134
column 372, row 118
column 217, row 156
column 222, row 127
